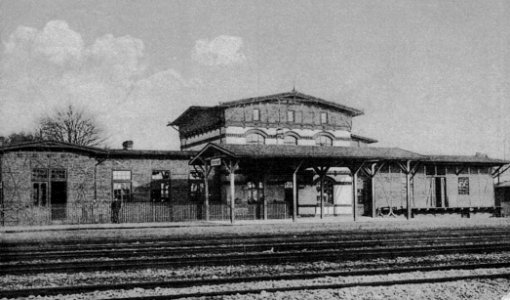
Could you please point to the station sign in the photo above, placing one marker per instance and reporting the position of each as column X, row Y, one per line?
column 215, row 162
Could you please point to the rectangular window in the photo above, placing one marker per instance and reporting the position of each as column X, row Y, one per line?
column 196, row 186
column 122, row 191
column 39, row 174
column 299, row 117
column 41, row 179
column 290, row 116
column 463, row 186
column 121, row 175
column 256, row 114
column 122, row 185
column 58, row 175
column 40, row 193
column 324, row 118
column 160, row 186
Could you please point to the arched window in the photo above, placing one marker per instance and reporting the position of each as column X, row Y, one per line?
column 255, row 138
column 290, row 140
column 323, row 140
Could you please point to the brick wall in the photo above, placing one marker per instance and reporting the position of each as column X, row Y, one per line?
column 88, row 184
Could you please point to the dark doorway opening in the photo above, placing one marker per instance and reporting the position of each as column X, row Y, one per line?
column 58, row 200
column 366, row 196
column 289, row 198
column 440, row 192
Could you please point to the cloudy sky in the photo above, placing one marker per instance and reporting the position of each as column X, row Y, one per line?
column 432, row 76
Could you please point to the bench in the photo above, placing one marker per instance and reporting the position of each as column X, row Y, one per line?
column 463, row 211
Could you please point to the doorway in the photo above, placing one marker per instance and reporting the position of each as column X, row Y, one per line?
column 289, row 198
column 440, row 192
column 58, row 196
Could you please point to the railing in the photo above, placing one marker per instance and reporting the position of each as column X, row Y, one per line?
column 137, row 212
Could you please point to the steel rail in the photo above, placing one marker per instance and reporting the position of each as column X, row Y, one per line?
column 362, row 271
column 253, row 258
column 6, row 248
column 261, row 246
column 209, row 295
column 221, row 238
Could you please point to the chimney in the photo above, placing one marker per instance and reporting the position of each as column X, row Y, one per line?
column 127, row 145
column 480, row 154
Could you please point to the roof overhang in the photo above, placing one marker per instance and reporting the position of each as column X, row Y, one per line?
column 332, row 156
column 297, row 96
column 53, row 146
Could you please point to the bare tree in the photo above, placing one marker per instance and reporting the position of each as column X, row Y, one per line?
column 73, row 126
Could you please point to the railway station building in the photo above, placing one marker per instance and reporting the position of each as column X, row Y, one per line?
column 288, row 155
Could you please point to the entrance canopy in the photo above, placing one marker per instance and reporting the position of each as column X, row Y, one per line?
column 292, row 159
column 331, row 156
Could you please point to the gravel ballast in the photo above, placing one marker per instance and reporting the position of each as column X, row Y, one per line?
column 206, row 272
column 474, row 289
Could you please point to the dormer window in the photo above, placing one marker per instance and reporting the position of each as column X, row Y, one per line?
column 324, row 118
column 291, row 116
column 256, row 114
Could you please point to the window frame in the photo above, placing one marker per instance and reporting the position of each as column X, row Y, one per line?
column 40, row 199
column 256, row 115
column 162, row 186
column 291, row 116
column 196, row 187
column 324, row 117
column 463, row 185
column 122, row 182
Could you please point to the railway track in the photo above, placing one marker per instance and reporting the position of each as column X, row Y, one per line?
column 252, row 246
column 91, row 244
column 252, row 258
column 266, row 249
column 221, row 294
column 345, row 239
column 361, row 271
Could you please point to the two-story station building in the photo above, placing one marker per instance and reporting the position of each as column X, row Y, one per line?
column 277, row 156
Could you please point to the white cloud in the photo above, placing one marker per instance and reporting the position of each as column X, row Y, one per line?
column 222, row 50
column 41, row 70
column 58, row 43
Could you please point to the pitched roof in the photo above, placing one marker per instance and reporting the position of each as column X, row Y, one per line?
column 465, row 159
column 314, row 152
column 205, row 112
column 363, row 138
column 94, row 151
column 339, row 153
column 51, row 146
column 297, row 96
column 213, row 112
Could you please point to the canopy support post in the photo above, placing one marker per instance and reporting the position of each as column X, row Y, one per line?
column 294, row 192
column 231, row 167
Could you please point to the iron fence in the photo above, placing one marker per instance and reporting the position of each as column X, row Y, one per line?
column 136, row 212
